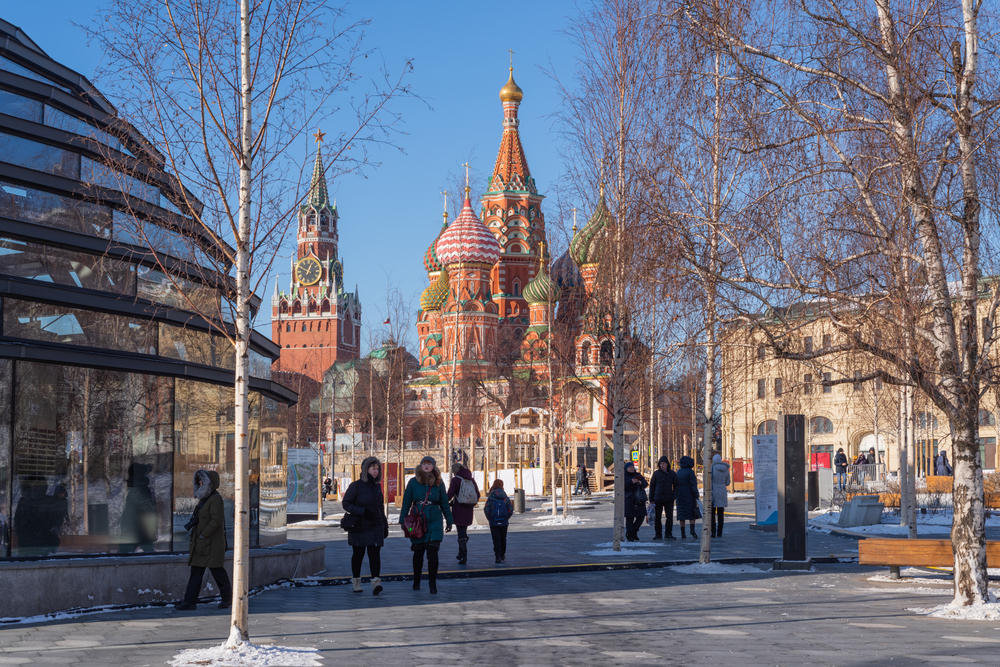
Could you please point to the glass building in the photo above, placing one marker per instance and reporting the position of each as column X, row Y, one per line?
column 116, row 381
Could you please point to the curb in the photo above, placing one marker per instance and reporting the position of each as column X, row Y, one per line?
column 561, row 569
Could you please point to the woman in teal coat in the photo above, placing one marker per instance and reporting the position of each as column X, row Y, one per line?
column 428, row 493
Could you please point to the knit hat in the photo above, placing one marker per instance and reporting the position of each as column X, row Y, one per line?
column 717, row 458
column 428, row 459
column 497, row 484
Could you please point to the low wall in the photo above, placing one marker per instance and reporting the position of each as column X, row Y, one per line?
column 42, row 587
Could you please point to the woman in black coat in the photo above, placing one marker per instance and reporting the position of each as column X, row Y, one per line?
column 687, row 495
column 635, row 502
column 363, row 499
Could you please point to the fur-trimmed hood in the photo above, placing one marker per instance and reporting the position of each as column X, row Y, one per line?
column 429, row 479
column 367, row 463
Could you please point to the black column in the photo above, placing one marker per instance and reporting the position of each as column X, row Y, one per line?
column 792, row 485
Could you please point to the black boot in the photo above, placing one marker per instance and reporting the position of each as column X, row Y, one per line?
column 463, row 550
column 694, row 535
column 418, row 566
column 683, row 534
column 722, row 520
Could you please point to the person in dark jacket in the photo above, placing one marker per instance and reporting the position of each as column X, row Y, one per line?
column 463, row 514
column 364, row 500
column 840, row 466
column 498, row 510
column 581, row 481
column 941, row 465
column 208, row 541
column 427, row 492
column 662, row 491
column 138, row 522
column 687, row 495
column 635, row 502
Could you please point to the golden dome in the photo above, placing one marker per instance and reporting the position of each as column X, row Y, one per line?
column 511, row 92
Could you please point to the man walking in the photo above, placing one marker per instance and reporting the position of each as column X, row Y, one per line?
column 662, row 491
column 840, row 465
column 581, row 481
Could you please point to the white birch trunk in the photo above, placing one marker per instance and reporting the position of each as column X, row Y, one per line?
column 240, row 630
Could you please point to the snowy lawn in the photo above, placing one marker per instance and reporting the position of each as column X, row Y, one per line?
column 716, row 568
column 984, row 611
column 623, row 552
column 561, row 521
column 325, row 523
column 248, row 655
column 927, row 524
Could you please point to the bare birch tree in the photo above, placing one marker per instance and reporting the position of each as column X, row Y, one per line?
column 224, row 90
column 879, row 136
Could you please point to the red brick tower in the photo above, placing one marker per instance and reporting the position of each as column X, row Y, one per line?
column 316, row 322
column 512, row 211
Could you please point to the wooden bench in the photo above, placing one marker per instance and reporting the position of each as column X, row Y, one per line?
column 896, row 552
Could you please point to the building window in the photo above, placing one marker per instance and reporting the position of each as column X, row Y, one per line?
column 760, row 352
column 769, row 427
column 761, row 388
column 826, row 341
column 607, row 353
column 820, row 425
column 809, row 344
column 928, row 420
column 827, row 389
column 987, row 329
column 288, row 328
column 807, row 383
column 777, row 387
column 857, row 380
column 585, row 353
column 987, row 418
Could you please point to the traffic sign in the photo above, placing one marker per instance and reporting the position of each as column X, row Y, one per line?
column 635, row 456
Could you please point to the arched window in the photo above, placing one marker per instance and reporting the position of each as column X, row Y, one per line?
column 585, row 353
column 444, row 393
column 820, row 425
column 516, row 248
column 987, row 418
column 769, row 427
column 607, row 353
column 423, row 394
column 516, row 287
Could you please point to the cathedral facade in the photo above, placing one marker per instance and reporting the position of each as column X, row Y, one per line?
column 496, row 308
column 316, row 322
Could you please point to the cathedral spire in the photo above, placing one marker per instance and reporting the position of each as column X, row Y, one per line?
column 318, row 196
column 511, row 170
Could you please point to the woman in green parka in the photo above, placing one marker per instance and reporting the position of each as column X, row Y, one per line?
column 428, row 493
column 208, row 541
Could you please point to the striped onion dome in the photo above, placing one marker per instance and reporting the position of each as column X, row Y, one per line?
column 586, row 246
column 467, row 239
column 431, row 262
column 436, row 294
column 541, row 289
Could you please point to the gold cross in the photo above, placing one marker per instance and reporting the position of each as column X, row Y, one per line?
column 319, row 136
column 574, row 220
column 445, row 193
column 466, row 165
column 511, row 51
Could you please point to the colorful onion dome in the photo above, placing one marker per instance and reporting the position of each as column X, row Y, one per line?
column 566, row 273
column 511, row 92
column 436, row 294
column 541, row 289
column 467, row 239
column 431, row 262
column 586, row 246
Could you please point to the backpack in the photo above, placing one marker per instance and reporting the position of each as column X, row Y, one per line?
column 496, row 509
column 467, row 495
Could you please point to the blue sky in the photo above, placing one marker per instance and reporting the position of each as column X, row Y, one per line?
column 390, row 216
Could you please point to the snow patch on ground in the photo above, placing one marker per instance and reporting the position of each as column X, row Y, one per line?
column 624, row 552
column 334, row 520
column 920, row 590
column 631, row 545
column 715, row 568
column 248, row 655
column 984, row 611
column 561, row 521
column 908, row 579
column 927, row 524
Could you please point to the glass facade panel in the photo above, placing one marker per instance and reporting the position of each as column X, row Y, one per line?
column 38, row 156
column 179, row 293
column 146, row 234
column 20, row 107
column 196, row 346
column 260, row 366
column 64, row 121
column 205, row 439
column 65, row 267
column 18, row 202
column 6, row 377
column 10, row 66
column 92, row 171
column 272, row 491
column 92, row 454
column 73, row 326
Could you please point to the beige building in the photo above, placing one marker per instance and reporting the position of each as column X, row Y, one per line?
column 757, row 390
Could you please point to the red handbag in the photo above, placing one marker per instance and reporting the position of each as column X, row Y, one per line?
column 415, row 523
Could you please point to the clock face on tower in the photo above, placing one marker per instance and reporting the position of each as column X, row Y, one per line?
column 308, row 271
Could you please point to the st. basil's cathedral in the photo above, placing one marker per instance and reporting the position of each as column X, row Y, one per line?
column 490, row 287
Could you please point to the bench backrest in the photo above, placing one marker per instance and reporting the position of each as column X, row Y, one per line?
column 928, row 553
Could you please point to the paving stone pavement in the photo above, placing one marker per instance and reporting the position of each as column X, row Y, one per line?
column 833, row 615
